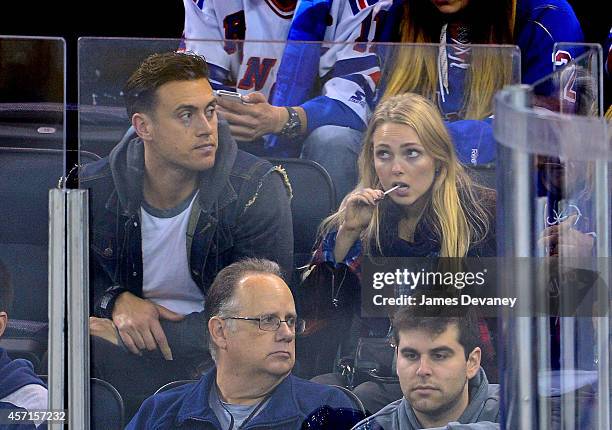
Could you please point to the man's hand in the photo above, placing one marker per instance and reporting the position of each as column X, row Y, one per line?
column 104, row 328
column 253, row 119
column 565, row 241
column 138, row 323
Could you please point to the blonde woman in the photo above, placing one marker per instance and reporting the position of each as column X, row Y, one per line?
column 434, row 209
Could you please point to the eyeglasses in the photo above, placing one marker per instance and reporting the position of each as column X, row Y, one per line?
column 272, row 323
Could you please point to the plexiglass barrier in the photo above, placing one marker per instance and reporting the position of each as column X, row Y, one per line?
column 186, row 190
column 32, row 276
column 554, row 197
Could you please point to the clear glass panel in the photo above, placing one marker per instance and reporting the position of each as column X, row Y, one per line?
column 32, row 73
column 246, row 212
column 554, row 194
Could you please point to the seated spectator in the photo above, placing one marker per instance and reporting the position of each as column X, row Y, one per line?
column 252, row 324
column 534, row 25
column 413, row 199
column 431, row 209
column 169, row 209
column 307, row 100
column 438, row 365
column 20, row 388
column 462, row 80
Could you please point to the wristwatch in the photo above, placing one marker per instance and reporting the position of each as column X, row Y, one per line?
column 293, row 126
column 104, row 307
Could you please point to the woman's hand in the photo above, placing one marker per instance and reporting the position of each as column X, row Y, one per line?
column 358, row 210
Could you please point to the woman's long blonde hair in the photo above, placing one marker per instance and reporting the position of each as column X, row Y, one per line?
column 415, row 68
column 454, row 213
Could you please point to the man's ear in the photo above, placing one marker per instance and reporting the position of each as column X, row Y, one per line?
column 217, row 330
column 3, row 322
column 143, row 125
column 473, row 362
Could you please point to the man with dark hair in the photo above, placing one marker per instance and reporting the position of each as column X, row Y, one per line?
column 252, row 325
column 438, row 365
column 20, row 389
column 170, row 208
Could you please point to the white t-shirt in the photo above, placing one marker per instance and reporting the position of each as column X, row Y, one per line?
column 166, row 277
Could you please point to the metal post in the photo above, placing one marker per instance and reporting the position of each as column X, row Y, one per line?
column 522, row 210
column 57, row 297
column 602, row 323
column 78, row 309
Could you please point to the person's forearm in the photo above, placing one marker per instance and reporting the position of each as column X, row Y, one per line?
column 344, row 241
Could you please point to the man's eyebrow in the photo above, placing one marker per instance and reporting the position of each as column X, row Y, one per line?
column 441, row 349
column 185, row 106
column 188, row 106
column 406, row 349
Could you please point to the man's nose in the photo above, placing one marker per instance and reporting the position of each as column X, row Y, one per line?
column 284, row 332
column 424, row 368
column 203, row 124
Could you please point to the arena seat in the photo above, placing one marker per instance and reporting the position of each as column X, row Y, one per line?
column 26, row 339
column 356, row 402
column 101, row 128
column 314, row 198
column 32, row 125
column 107, row 409
column 483, row 174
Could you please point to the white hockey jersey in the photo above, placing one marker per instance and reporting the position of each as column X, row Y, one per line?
column 346, row 68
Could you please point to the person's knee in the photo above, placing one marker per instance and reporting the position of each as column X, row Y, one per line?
column 332, row 140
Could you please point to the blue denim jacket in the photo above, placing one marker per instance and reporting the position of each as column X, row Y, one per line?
column 295, row 404
column 242, row 209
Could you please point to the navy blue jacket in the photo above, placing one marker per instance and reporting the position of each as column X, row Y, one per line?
column 15, row 374
column 295, row 404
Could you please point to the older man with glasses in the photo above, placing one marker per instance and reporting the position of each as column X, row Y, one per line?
column 252, row 325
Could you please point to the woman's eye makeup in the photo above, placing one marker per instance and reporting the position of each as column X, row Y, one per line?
column 381, row 153
column 412, row 153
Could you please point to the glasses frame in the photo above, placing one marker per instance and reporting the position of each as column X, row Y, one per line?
column 295, row 329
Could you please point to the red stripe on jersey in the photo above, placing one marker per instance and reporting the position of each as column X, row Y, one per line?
column 375, row 77
column 362, row 4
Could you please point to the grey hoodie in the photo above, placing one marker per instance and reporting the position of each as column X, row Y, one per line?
column 483, row 408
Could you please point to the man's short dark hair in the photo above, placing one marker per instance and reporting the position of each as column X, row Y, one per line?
column 6, row 289
column 220, row 297
column 435, row 319
column 157, row 70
